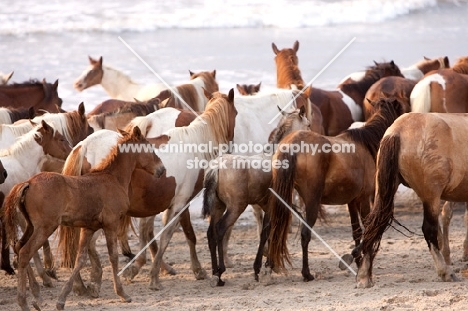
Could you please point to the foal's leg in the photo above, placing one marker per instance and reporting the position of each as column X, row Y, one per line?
column 263, row 238
column 165, row 268
column 41, row 271
column 5, row 257
column 49, row 263
column 430, row 229
column 94, row 287
column 445, row 218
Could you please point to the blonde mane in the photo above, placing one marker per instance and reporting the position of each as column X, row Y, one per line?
column 143, row 122
column 18, row 130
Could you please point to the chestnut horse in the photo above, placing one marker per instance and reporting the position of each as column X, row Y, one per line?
column 445, row 90
column 120, row 117
column 248, row 89
column 117, row 84
column 326, row 175
column 42, row 96
column 191, row 93
column 93, row 201
column 423, row 151
column 225, row 198
column 340, row 107
column 25, row 159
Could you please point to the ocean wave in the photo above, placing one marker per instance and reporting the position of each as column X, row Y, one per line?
column 30, row 16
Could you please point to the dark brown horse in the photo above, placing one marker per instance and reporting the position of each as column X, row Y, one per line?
column 426, row 152
column 327, row 170
column 121, row 116
column 248, row 89
column 93, row 201
column 11, row 115
column 112, row 105
column 42, row 96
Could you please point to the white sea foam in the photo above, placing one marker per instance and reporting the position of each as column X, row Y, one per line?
column 31, row 16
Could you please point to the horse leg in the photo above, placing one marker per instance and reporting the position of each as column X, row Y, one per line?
column 465, row 243
column 85, row 237
column 445, row 218
column 41, row 271
column 94, row 287
column 261, row 246
column 165, row 268
column 49, row 264
column 133, row 270
column 198, row 271
column 111, row 239
column 430, row 229
column 227, row 259
column 79, row 288
column 125, row 247
column 5, row 257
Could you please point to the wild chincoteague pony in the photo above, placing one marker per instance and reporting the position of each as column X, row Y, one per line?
column 445, row 90
column 42, row 96
column 5, row 77
column 11, row 115
column 97, row 200
column 120, row 117
column 72, row 125
column 24, row 159
column 248, row 89
column 191, row 93
column 288, row 76
column 117, row 84
column 215, row 125
column 344, row 176
column 112, row 105
column 414, row 72
column 225, row 198
column 423, row 151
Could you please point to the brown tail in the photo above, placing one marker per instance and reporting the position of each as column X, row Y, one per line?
column 280, row 215
column 387, row 179
column 13, row 202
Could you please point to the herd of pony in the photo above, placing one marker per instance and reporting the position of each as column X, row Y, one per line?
column 67, row 172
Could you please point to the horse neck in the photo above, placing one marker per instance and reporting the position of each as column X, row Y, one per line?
column 121, row 168
column 33, row 93
column 357, row 90
column 461, row 68
column 118, row 85
column 287, row 75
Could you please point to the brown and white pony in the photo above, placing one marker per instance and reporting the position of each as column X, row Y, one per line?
column 248, row 89
column 445, row 90
column 190, row 93
column 426, row 152
column 326, row 175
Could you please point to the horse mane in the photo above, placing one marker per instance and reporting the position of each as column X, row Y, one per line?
column 288, row 69
column 143, row 122
column 208, row 80
column 74, row 161
column 5, row 116
column 216, row 115
column 68, row 124
column 461, row 66
column 139, row 109
column 283, row 128
column 30, row 82
column 388, row 110
column 23, row 144
column 17, row 129
column 118, row 73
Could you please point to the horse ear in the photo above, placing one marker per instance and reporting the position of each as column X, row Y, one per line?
column 7, row 77
column 231, row 95
column 370, row 101
column 446, row 62
column 137, row 101
column 257, row 87
column 32, row 123
column 426, row 58
column 46, row 126
column 392, row 63
column 275, row 48
column 31, row 113
column 191, row 73
column 100, row 61
column 302, row 111
column 208, row 95
column 376, row 63
column 213, row 73
column 296, row 46
column 137, row 132
column 56, row 84
column 46, row 88
column 91, row 60
column 122, row 132
column 280, row 110
column 240, row 89
column 81, row 109
column 308, row 91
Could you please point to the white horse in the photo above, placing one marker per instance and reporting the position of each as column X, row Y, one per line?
column 413, row 72
column 117, row 84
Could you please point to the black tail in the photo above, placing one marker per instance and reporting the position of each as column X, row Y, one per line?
column 387, row 179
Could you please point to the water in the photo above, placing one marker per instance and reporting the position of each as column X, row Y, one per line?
column 53, row 40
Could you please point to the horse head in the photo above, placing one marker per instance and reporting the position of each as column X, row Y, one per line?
column 90, row 76
column 52, row 142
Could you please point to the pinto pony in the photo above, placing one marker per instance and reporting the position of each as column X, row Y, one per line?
column 345, row 177
column 93, row 201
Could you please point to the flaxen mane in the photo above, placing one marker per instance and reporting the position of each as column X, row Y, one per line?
column 388, row 110
column 461, row 66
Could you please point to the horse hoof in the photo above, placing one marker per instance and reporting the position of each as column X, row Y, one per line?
column 52, row 273
column 47, row 282
column 93, row 290
column 465, row 257
column 126, row 299
column 364, row 283
column 348, row 258
column 214, row 280
column 155, row 286
column 8, row 270
column 36, row 306
column 130, row 273
column 169, row 271
column 200, row 274
column 308, row 277
column 60, row 306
